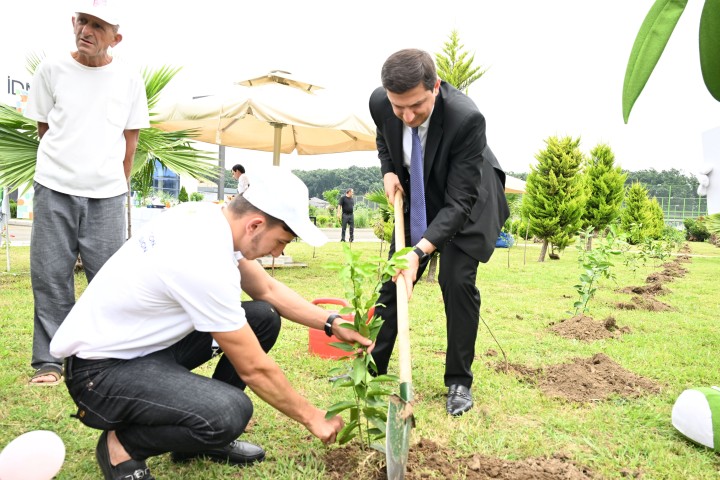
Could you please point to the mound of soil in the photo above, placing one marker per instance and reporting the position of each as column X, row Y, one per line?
column 649, row 289
column 683, row 259
column 582, row 327
column 644, row 302
column 585, row 379
column 659, row 277
column 674, row 270
column 428, row 460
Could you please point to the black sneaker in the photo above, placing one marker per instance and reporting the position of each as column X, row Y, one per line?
column 129, row 470
column 236, row 453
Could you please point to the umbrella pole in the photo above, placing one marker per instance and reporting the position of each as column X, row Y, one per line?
column 277, row 139
column 221, row 174
column 5, row 223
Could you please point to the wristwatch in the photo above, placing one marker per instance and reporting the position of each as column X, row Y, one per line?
column 421, row 255
column 329, row 324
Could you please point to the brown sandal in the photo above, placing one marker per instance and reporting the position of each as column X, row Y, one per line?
column 46, row 371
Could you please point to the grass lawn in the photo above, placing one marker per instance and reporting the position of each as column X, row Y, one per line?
column 512, row 419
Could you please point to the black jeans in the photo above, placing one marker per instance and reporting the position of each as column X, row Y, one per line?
column 156, row 404
column 348, row 219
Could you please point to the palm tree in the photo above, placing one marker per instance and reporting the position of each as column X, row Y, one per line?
column 19, row 142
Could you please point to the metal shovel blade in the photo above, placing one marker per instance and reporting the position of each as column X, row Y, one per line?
column 400, row 421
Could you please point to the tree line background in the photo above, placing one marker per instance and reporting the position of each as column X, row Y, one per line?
column 660, row 184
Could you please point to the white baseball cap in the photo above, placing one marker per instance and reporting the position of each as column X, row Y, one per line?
column 278, row 192
column 102, row 9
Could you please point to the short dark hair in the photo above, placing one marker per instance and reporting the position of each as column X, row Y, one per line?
column 238, row 168
column 239, row 206
column 406, row 69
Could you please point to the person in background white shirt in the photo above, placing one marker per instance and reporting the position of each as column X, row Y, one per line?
column 238, row 173
column 89, row 108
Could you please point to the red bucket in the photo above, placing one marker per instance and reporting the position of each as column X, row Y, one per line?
column 319, row 342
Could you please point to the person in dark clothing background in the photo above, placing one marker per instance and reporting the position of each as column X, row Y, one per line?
column 346, row 207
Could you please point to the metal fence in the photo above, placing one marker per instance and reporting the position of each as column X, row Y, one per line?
column 676, row 209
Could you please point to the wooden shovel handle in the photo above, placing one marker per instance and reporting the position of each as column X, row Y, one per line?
column 403, row 322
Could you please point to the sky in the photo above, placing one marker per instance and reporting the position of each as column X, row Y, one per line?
column 554, row 67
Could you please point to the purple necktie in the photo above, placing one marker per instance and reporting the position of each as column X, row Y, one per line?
column 418, row 220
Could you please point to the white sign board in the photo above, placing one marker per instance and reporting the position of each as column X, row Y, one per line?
column 711, row 154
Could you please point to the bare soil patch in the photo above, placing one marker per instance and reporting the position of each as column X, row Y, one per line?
column 590, row 379
column 659, row 277
column 644, row 298
column 674, row 270
column 644, row 302
column 585, row 328
column 428, row 460
column 649, row 289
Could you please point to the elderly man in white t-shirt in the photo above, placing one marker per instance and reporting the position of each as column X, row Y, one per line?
column 89, row 109
column 151, row 315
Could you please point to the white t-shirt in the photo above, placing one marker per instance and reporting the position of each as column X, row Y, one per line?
column 243, row 183
column 87, row 110
column 177, row 275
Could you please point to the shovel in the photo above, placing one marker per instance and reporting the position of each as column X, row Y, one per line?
column 400, row 418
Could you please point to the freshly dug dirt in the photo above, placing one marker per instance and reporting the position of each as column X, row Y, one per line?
column 674, row 269
column 428, row 460
column 644, row 302
column 590, row 379
column 649, row 289
column 582, row 327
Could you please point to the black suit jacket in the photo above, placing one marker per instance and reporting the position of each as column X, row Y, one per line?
column 464, row 183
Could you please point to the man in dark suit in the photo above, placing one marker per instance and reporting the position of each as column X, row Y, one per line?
column 464, row 196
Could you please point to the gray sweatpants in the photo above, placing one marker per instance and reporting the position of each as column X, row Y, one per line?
column 63, row 226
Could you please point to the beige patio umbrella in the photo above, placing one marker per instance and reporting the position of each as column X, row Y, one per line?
column 273, row 113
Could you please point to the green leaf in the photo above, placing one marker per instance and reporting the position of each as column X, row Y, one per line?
column 347, row 433
column 385, row 378
column 342, row 382
column 375, row 413
column 710, row 46
column 380, row 423
column 339, row 407
column 649, row 44
column 343, row 346
column 359, row 372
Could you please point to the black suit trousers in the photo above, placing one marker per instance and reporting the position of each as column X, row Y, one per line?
column 457, row 276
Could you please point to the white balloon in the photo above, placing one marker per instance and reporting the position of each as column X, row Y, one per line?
column 36, row 455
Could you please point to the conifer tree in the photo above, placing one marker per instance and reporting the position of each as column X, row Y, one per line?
column 183, row 195
column 605, row 190
column 555, row 194
column 656, row 224
column 456, row 66
column 635, row 218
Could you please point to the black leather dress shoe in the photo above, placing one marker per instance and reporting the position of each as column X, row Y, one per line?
column 129, row 470
column 459, row 400
column 236, row 453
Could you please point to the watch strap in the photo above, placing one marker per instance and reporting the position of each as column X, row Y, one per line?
column 418, row 251
column 329, row 324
